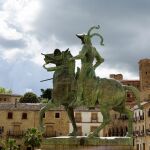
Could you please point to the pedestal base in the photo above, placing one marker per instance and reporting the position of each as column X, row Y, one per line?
column 85, row 143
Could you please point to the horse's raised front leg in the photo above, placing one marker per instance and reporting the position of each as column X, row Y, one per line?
column 42, row 112
column 106, row 120
column 70, row 112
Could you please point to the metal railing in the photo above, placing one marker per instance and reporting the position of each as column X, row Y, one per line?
column 15, row 134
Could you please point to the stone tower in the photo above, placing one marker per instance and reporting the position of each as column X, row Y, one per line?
column 144, row 71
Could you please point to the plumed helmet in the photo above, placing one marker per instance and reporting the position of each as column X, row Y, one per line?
column 86, row 37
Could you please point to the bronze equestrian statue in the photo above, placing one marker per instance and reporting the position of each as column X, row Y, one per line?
column 72, row 89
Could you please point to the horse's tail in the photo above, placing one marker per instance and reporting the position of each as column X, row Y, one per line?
column 136, row 93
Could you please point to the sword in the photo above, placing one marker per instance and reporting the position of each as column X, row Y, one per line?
column 46, row 80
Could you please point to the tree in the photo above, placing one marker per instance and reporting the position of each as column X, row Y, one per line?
column 5, row 91
column 33, row 138
column 46, row 94
column 29, row 97
column 44, row 101
column 2, row 144
column 11, row 145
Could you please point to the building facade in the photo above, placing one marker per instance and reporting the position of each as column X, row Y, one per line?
column 16, row 118
column 87, row 121
column 9, row 98
column 141, row 127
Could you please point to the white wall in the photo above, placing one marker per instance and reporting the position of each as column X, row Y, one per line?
column 86, row 123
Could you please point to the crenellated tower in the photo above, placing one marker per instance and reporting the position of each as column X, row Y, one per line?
column 144, row 72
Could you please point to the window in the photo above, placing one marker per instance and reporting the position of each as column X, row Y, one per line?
column 135, row 115
column 10, row 115
column 78, row 117
column 24, row 115
column 143, row 128
column 94, row 117
column 44, row 115
column 92, row 128
column 115, row 116
column 28, row 148
column 126, row 129
column 149, row 112
column 137, row 147
column 143, row 146
column 79, row 130
column 139, row 114
column 1, row 129
column 57, row 115
column 128, row 95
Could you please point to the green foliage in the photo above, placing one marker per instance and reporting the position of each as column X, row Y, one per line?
column 11, row 145
column 2, row 143
column 33, row 138
column 44, row 101
column 46, row 94
column 5, row 91
column 29, row 97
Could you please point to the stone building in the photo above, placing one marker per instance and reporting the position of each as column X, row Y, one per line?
column 16, row 118
column 144, row 87
column 87, row 120
column 9, row 98
column 141, row 127
column 119, row 124
column 130, row 98
column 142, row 117
column 56, row 122
column 144, row 71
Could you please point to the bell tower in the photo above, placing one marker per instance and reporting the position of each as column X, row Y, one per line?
column 144, row 71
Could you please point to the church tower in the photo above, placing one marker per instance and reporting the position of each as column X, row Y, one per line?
column 144, row 71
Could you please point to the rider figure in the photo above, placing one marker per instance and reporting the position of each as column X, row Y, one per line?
column 87, row 55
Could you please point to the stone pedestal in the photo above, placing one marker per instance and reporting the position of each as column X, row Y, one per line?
column 85, row 143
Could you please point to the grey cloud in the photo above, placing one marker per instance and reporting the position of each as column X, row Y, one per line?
column 120, row 23
column 23, row 75
column 6, row 43
column 65, row 18
column 124, row 26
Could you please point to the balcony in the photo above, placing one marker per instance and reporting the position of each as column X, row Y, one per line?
column 139, row 118
column 15, row 134
column 142, row 117
column 135, row 119
column 148, row 132
column 123, row 118
column 138, row 133
column 142, row 133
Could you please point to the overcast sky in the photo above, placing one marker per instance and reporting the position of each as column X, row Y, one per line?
column 29, row 27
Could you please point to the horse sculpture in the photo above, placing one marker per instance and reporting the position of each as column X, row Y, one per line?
column 64, row 84
column 110, row 94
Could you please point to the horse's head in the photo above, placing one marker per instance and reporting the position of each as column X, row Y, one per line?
column 54, row 58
